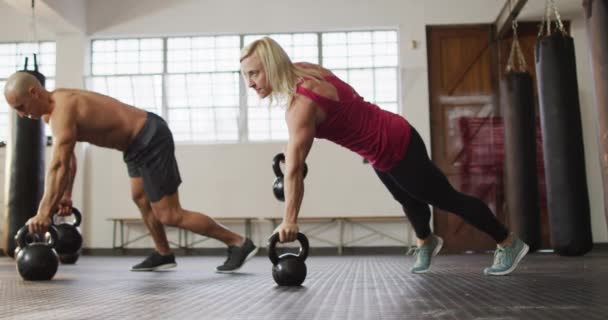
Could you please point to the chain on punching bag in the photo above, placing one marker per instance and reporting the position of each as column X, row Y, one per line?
column 564, row 156
column 26, row 146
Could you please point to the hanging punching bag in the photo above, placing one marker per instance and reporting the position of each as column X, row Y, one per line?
column 25, row 164
column 567, row 195
column 517, row 94
column 596, row 13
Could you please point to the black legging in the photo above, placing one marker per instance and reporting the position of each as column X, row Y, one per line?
column 416, row 182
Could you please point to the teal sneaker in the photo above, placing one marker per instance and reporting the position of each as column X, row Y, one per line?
column 507, row 258
column 425, row 253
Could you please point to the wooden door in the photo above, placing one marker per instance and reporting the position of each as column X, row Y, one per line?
column 462, row 85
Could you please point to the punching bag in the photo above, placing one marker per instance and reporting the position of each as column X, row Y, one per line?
column 517, row 92
column 596, row 14
column 25, row 170
column 564, row 156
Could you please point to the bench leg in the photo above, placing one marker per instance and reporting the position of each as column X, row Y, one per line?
column 122, row 237
column 341, row 237
column 248, row 228
column 114, row 235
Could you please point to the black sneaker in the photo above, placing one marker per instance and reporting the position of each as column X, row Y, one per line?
column 155, row 262
column 237, row 256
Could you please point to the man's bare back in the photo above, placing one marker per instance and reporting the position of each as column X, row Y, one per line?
column 98, row 119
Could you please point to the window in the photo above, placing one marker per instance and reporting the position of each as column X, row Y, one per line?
column 129, row 70
column 368, row 61
column 195, row 82
column 127, row 56
column 143, row 91
column 203, row 88
column 12, row 58
column 203, row 54
column 204, row 107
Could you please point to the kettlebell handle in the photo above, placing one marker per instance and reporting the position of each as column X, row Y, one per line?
column 276, row 165
column 272, row 248
column 77, row 217
column 24, row 231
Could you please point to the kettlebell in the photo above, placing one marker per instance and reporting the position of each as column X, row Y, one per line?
column 288, row 269
column 28, row 239
column 69, row 239
column 277, row 186
column 37, row 260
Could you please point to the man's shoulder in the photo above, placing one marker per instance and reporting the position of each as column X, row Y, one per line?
column 64, row 96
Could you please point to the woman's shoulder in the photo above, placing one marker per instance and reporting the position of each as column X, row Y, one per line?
column 311, row 66
column 320, row 87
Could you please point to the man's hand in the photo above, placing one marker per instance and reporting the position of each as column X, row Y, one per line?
column 288, row 232
column 38, row 224
column 64, row 208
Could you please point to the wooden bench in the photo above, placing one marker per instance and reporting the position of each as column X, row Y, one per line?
column 321, row 224
column 248, row 221
column 183, row 241
column 315, row 226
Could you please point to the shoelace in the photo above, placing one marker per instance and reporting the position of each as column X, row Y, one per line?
column 499, row 253
column 230, row 250
column 153, row 256
column 419, row 249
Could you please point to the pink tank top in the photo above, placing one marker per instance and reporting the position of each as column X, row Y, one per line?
column 377, row 135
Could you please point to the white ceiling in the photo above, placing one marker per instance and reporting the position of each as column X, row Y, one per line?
column 535, row 9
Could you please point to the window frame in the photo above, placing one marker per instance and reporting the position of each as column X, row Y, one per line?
column 30, row 66
column 243, row 119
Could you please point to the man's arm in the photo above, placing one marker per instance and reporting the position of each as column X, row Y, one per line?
column 71, row 177
column 62, row 168
column 301, row 125
column 65, row 204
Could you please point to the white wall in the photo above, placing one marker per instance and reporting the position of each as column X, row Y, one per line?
column 235, row 179
column 16, row 27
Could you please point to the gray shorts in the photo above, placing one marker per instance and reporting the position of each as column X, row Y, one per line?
column 151, row 156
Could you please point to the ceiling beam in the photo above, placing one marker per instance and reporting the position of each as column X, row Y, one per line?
column 507, row 15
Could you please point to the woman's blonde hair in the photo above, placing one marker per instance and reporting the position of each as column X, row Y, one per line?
column 281, row 73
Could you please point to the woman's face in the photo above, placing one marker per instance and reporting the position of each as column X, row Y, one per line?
column 255, row 75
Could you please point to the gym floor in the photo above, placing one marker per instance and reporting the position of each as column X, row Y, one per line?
column 545, row 286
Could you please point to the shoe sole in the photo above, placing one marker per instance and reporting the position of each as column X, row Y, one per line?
column 158, row 268
column 249, row 256
column 520, row 256
column 435, row 252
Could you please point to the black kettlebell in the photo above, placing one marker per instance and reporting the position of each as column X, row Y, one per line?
column 288, row 269
column 69, row 239
column 37, row 261
column 277, row 186
column 29, row 238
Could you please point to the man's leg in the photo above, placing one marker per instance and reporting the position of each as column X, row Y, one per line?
column 163, row 258
column 157, row 230
column 161, row 182
column 169, row 211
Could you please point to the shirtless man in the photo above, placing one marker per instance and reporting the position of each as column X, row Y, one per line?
column 148, row 148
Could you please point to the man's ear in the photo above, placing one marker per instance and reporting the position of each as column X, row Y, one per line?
column 34, row 91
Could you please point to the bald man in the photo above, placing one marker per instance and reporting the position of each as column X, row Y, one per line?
column 148, row 149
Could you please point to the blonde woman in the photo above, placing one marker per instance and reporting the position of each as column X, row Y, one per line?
column 320, row 105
